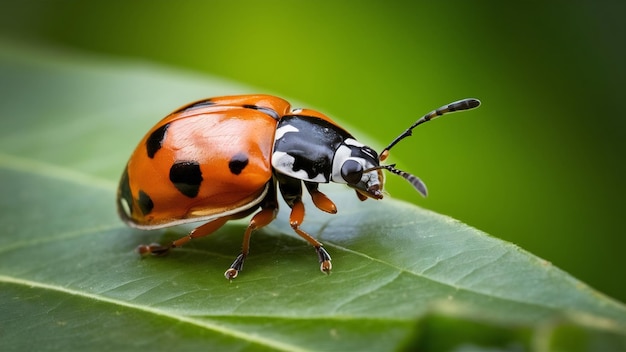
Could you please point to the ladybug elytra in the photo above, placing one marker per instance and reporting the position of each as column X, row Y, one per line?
column 223, row 158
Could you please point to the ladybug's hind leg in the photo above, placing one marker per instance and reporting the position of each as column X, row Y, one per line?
column 291, row 190
column 200, row 231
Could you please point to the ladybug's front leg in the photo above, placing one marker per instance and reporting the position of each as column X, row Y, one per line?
column 295, row 220
column 321, row 201
column 291, row 190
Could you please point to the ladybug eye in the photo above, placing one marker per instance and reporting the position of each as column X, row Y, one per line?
column 351, row 171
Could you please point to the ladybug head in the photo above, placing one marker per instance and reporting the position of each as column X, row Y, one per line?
column 357, row 165
column 361, row 169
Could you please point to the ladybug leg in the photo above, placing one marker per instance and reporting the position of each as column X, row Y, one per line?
column 200, row 231
column 321, row 201
column 267, row 214
column 295, row 220
column 291, row 189
column 260, row 219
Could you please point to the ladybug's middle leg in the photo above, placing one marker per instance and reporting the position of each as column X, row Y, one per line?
column 291, row 190
column 267, row 214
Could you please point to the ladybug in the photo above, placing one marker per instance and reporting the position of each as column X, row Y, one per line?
column 223, row 158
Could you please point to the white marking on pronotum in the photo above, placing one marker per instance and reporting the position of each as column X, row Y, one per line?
column 284, row 163
column 280, row 132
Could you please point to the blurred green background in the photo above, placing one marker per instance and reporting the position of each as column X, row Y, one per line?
column 540, row 164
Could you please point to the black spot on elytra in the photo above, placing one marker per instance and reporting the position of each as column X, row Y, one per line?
column 144, row 202
column 186, row 177
column 273, row 114
column 124, row 195
column 238, row 163
column 155, row 141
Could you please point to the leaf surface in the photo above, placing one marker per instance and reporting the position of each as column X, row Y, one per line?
column 403, row 277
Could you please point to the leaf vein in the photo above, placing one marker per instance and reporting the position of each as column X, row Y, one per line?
column 277, row 345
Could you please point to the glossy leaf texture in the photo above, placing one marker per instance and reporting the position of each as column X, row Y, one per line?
column 403, row 278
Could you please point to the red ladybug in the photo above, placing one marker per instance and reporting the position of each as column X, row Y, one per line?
column 221, row 159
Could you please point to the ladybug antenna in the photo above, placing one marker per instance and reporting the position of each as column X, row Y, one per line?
column 465, row 104
column 412, row 179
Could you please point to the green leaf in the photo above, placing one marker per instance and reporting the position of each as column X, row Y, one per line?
column 403, row 278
